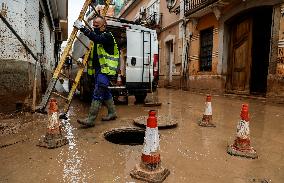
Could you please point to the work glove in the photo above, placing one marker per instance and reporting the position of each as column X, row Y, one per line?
column 80, row 60
column 78, row 24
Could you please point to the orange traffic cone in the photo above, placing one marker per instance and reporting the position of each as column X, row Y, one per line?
column 53, row 137
column 150, row 168
column 241, row 146
column 207, row 116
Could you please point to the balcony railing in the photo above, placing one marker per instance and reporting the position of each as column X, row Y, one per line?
column 154, row 20
column 192, row 6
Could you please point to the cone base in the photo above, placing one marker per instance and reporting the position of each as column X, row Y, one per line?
column 154, row 176
column 250, row 153
column 52, row 141
column 206, row 124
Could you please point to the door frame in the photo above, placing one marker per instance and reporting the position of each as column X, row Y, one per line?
column 169, row 38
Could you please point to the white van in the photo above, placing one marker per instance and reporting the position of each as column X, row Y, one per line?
column 139, row 60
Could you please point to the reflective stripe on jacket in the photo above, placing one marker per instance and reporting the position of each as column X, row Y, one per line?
column 90, row 68
column 108, row 63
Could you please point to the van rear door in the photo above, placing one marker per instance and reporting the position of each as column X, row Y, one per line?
column 138, row 49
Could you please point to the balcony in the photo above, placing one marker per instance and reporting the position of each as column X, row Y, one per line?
column 192, row 6
column 153, row 20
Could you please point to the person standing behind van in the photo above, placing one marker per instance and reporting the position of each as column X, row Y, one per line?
column 104, row 60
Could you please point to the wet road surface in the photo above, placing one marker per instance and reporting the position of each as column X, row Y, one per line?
column 191, row 153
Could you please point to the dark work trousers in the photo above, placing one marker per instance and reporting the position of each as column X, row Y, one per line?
column 101, row 90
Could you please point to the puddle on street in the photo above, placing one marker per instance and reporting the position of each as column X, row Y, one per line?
column 192, row 153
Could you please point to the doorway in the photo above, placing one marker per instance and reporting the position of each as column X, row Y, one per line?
column 260, row 50
column 250, row 34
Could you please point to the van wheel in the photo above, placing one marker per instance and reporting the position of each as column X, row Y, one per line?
column 120, row 100
column 140, row 99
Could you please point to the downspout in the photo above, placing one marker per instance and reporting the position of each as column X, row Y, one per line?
column 183, row 29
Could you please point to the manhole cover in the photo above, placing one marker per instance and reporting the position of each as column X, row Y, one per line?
column 163, row 121
column 125, row 136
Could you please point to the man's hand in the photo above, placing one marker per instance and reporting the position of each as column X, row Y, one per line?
column 78, row 24
column 80, row 60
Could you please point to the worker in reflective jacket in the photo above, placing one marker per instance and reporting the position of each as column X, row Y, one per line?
column 103, row 63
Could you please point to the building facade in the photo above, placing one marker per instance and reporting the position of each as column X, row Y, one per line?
column 42, row 26
column 221, row 46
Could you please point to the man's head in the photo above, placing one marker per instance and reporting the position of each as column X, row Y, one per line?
column 99, row 23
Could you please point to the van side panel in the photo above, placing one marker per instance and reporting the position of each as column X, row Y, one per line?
column 134, row 62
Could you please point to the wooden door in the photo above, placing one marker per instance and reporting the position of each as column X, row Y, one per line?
column 240, row 57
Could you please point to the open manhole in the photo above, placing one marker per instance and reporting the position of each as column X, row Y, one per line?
column 152, row 104
column 164, row 122
column 126, row 136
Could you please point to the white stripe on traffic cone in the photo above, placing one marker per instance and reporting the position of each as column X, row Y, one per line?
column 150, row 168
column 207, row 116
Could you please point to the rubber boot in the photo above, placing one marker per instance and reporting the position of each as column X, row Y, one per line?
column 111, row 111
column 93, row 113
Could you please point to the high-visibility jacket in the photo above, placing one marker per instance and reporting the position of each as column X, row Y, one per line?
column 108, row 63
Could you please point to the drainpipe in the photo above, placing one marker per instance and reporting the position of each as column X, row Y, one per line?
column 184, row 41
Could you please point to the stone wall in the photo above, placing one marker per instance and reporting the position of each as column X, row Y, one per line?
column 275, row 80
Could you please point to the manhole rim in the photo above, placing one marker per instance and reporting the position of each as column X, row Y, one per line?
column 122, row 128
column 137, row 122
column 113, row 131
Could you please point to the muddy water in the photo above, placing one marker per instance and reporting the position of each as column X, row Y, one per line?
column 190, row 152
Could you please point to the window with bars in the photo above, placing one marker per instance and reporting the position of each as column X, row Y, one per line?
column 206, row 46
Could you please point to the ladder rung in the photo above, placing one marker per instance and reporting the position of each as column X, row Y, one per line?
column 86, row 23
column 72, row 57
column 74, row 82
column 82, row 42
column 64, row 75
column 65, row 98
column 78, row 63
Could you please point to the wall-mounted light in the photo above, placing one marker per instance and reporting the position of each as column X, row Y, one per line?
column 171, row 4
